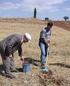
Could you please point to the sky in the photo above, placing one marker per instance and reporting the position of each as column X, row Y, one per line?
column 53, row 9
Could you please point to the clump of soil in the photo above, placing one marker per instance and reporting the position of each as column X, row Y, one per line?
column 47, row 78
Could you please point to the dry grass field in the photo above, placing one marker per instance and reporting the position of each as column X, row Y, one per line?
column 58, row 61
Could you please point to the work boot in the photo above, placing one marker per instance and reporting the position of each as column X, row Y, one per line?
column 42, row 66
column 2, row 73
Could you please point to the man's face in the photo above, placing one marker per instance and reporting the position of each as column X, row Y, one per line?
column 49, row 26
column 25, row 39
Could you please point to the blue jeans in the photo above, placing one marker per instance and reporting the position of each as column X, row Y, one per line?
column 44, row 51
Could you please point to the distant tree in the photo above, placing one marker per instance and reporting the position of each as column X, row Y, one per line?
column 35, row 12
column 46, row 19
column 66, row 18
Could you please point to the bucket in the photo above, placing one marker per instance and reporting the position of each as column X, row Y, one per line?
column 26, row 67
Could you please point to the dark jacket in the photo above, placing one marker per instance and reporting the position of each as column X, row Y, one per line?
column 11, row 44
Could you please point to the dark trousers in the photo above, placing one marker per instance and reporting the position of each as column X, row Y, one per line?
column 8, row 64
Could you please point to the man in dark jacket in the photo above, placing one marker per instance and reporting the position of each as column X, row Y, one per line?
column 8, row 46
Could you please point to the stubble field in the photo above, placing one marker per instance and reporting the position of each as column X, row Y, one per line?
column 58, row 60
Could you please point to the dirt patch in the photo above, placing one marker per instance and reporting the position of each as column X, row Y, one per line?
column 48, row 78
column 63, row 24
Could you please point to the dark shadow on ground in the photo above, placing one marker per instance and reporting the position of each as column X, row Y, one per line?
column 19, row 69
column 32, row 61
column 61, row 64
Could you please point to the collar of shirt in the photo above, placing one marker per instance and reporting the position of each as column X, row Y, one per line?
column 22, row 38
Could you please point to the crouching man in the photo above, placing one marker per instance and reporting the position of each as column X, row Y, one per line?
column 8, row 46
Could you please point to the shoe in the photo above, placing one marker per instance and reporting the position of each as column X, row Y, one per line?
column 2, row 73
column 44, row 69
column 42, row 66
column 10, row 76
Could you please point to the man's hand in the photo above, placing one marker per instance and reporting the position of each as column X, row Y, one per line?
column 47, row 41
column 22, row 58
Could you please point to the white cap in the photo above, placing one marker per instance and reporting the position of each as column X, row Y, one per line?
column 28, row 36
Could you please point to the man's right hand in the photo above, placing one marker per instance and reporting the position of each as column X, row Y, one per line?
column 22, row 58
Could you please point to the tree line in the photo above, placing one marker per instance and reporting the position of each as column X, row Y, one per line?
column 46, row 18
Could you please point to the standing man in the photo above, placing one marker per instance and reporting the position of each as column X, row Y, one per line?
column 8, row 46
column 44, row 41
